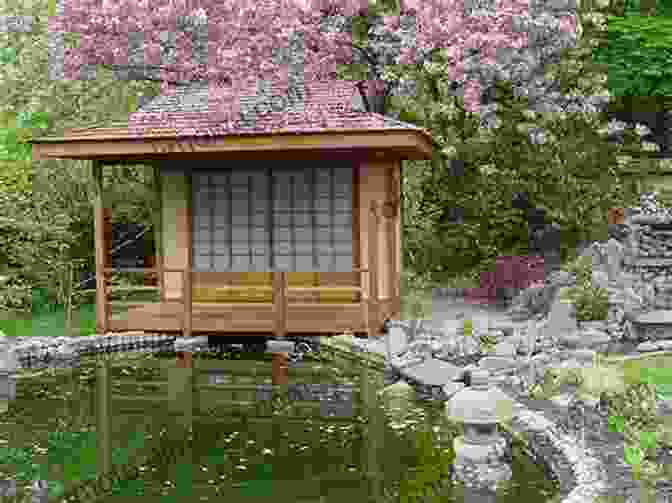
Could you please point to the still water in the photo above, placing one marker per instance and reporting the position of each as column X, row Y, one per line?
column 246, row 443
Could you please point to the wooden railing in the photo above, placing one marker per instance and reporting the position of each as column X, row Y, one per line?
column 368, row 300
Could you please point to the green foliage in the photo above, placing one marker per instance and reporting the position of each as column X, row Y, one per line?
column 637, row 405
column 45, row 213
column 638, row 53
column 573, row 175
column 581, row 268
column 46, row 219
column 591, row 302
column 635, row 49
column 487, row 343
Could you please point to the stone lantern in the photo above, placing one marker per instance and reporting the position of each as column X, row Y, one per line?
column 480, row 453
column 8, row 366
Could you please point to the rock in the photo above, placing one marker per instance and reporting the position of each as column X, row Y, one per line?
column 421, row 348
column 396, row 340
column 593, row 252
column 593, row 338
column 647, row 346
column 497, row 363
column 432, row 372
column 453, row 327
column 614, row 259
column 665, row 345
column 560, row 318
column 585, row 356
column 505, row 349
column 570, row 339
column 630, row 332
column 561, row 278
column 470, row 346
column 601, row 279
column 449, row 389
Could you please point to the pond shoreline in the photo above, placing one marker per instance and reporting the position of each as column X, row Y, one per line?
column 580, row 474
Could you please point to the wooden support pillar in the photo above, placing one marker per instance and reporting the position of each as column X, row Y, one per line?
column 158, row 231
column 279, row 374
column 186, row 298
column 149, row 262
column 280, row 303
column 394, row 237
column 616, row 216
column 187, row 290
column 101, row 247
column 104, row 415
column 373, row 237
column 184, row 359
column 109, row 236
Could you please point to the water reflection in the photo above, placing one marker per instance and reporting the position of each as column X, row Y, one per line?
column 303, row 451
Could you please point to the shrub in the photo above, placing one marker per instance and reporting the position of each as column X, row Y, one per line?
column 16, row 295
column 591, row 303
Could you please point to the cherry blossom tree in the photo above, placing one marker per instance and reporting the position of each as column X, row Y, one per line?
column 288, row 40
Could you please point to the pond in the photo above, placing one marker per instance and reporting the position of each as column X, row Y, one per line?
column 249, row 441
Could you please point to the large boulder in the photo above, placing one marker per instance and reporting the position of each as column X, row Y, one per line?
column 536, row 300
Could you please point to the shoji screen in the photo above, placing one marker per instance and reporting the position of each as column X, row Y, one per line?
column 296, row 218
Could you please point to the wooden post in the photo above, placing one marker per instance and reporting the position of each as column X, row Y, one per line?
column 103, row 415
column 616, row 216
column 280, row 302
column 101, row 248
column 184, row 359
column 68, row 299
column 109, row 235
column 186, row 298
column 158, row 232
column 279, row 374
column 186, row 278
column 363, row 298
column 373, row 271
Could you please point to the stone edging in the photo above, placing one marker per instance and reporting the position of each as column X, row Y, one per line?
column 580, row 474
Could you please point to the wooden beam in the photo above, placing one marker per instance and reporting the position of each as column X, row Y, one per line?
column 119, row 143
column 102, row 315
column 373, row 270
column 397, row 240
column 158, row 228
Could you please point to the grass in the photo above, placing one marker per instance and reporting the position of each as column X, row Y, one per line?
column 50, row 322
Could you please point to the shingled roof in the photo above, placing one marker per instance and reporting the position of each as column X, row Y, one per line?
column 202, row 109
column 208, row 119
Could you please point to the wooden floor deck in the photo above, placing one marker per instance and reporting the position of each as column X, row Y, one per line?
column 326, row 319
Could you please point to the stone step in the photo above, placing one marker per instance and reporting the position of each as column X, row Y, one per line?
column 657, row 317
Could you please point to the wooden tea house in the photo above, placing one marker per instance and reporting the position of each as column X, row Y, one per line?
column 263, row 229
